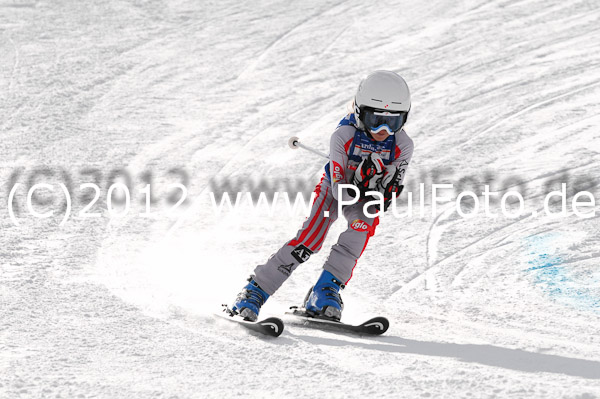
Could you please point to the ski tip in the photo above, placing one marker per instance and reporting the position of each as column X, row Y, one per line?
column 274, row 324
column 271, row 326
column 376, row 325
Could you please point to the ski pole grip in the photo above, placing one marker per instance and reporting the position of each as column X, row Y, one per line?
column 293, row 142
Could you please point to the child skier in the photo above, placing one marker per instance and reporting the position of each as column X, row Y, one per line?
column 370, row 150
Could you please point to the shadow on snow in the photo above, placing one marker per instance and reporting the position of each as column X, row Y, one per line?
column 489, row 355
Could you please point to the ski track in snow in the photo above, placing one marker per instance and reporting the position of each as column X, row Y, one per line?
column 124, row 308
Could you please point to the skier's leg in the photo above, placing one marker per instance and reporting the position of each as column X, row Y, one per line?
column 324, row 299
column 309, row 240
column 351, row 243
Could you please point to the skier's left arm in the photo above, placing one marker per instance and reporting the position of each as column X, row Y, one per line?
column 393, row 177
column 405, row 146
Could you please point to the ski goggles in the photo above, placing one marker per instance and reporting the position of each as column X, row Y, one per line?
column 377, row 120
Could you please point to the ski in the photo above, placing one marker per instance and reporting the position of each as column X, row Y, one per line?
column 375, row 326
column 271, row 326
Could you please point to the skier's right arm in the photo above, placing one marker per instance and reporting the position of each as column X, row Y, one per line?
column 338, row 162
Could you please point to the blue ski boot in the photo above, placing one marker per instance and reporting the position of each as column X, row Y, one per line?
column 324, row 298
column 249, row 300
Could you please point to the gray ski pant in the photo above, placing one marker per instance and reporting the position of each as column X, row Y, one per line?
column 309, row 240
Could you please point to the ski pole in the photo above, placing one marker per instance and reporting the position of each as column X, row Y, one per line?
column 294, row 143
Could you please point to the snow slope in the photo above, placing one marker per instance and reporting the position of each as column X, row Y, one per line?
column 504, row 92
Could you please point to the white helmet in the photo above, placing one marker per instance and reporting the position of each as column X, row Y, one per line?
column 382, row 102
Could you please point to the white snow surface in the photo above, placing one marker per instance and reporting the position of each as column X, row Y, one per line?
column 124, row 307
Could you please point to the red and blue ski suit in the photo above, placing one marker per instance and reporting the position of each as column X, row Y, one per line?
column 349, row 145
